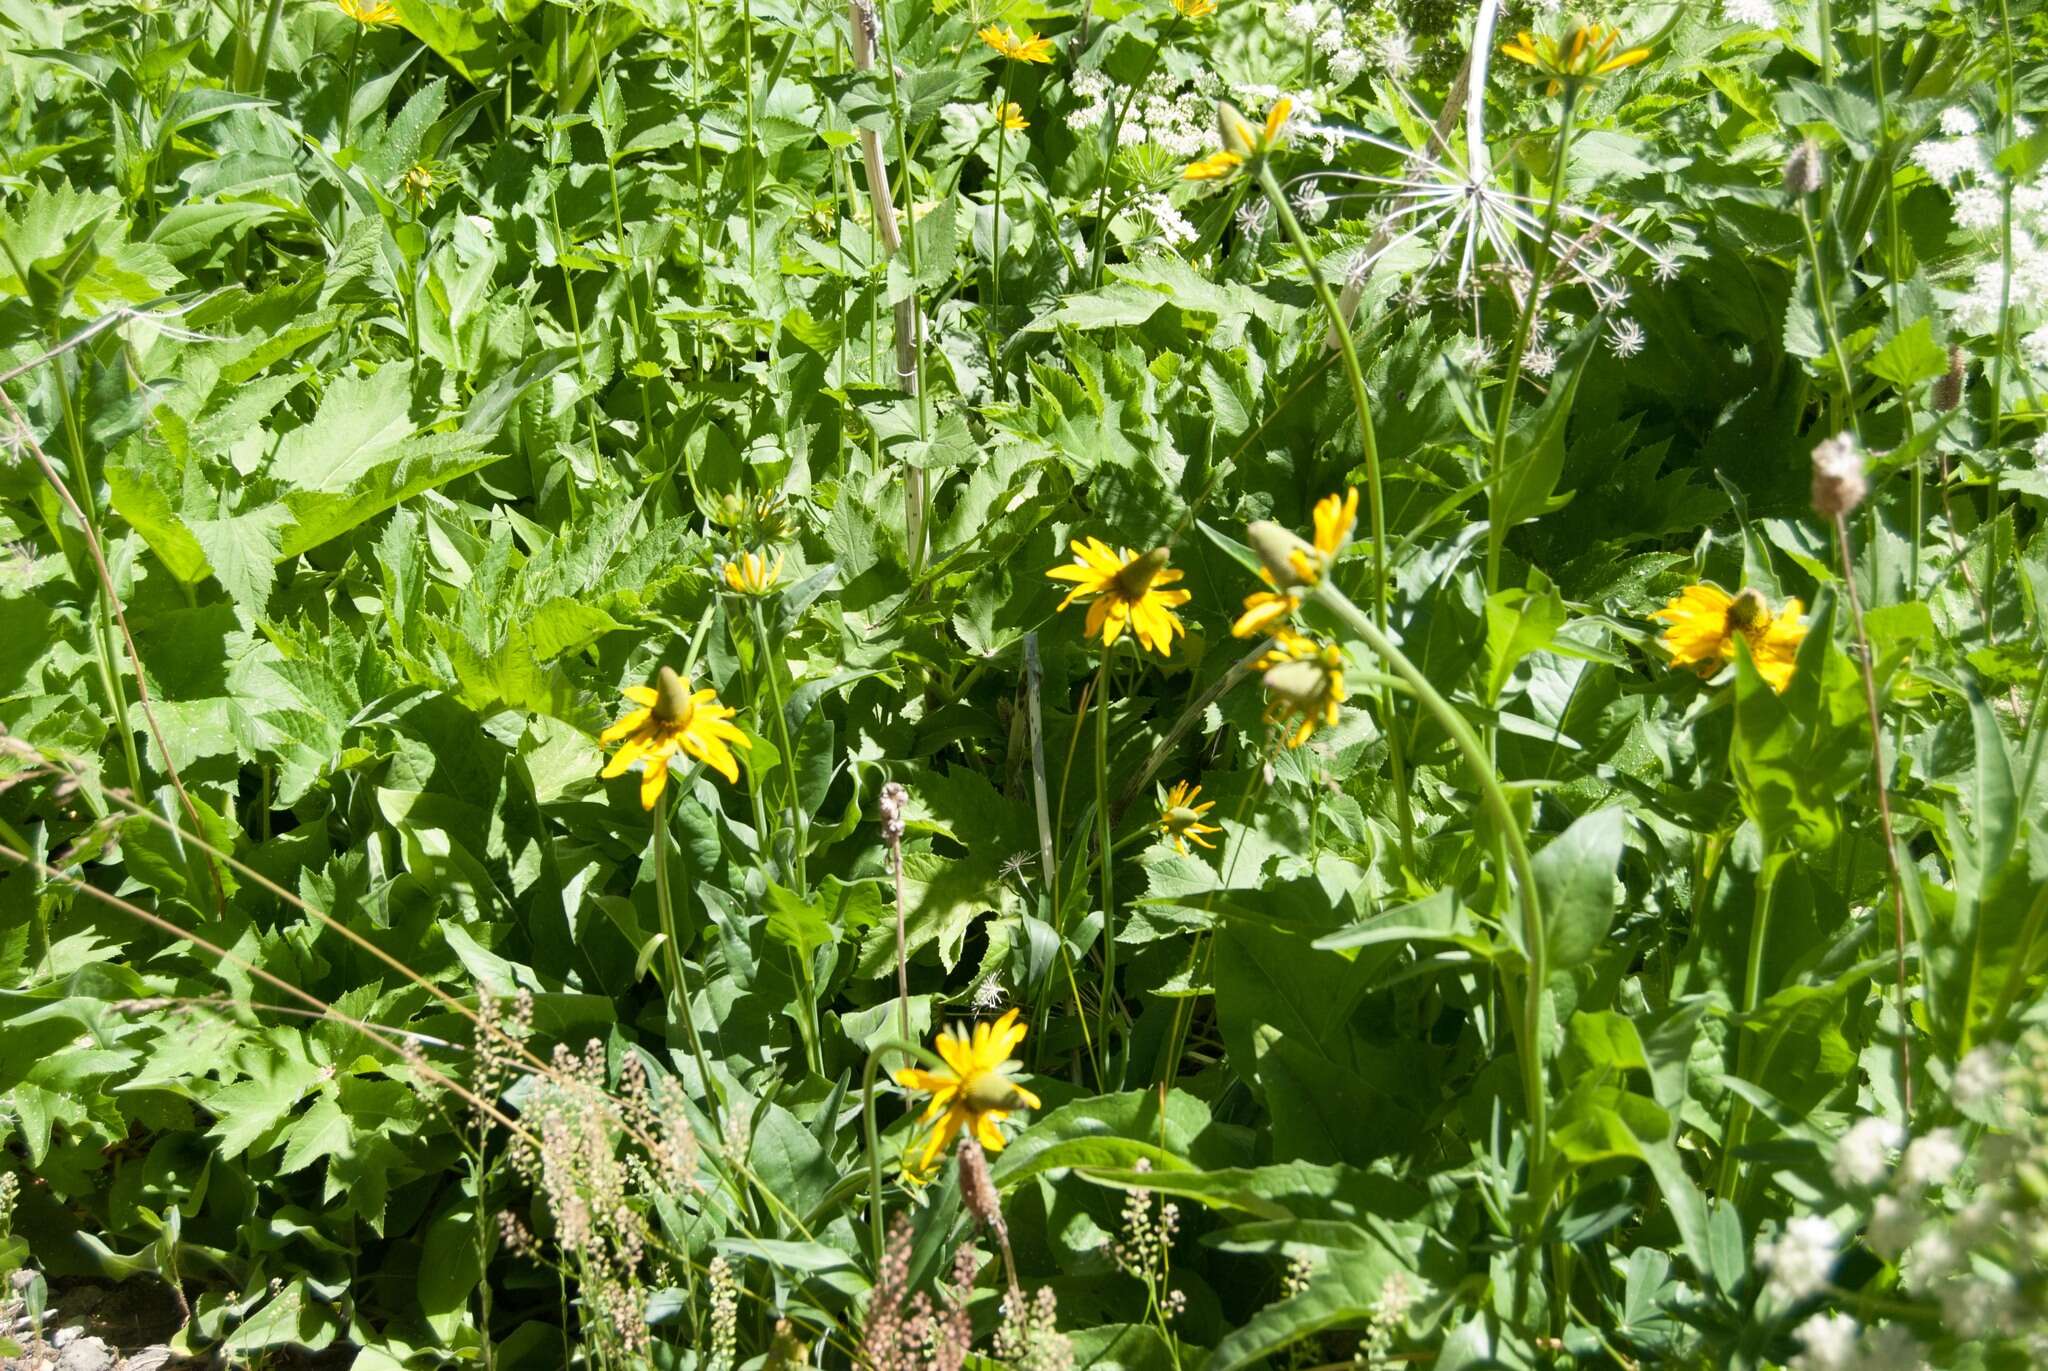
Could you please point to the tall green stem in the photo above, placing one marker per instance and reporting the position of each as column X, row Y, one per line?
column 679, row 986
column 771, row 674
column 1108, row 863
column 1844, row 408
column 1376, row 517
column 1752, row 996
column 1494, row 797
column 1110, row 135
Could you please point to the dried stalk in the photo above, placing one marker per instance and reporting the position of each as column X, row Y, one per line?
column 909, row 323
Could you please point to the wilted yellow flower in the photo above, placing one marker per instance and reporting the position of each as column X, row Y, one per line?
column 369, row 13
column 1705, row 621
column 1304, row 681
column 1180, row 819
column 975, row 1092
column 1241, row 141
column 1011, row 116
column 1128, row 590
column 751, row 574
column 1580, row 56
column 1194, row 9
column 670, row 719
column 1302, row 564
column 1024, row 47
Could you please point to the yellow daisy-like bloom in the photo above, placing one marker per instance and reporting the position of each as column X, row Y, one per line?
column 1128, row 592
column 1018, row 47
column 975, row 1092
column 1304, row 682
column 670, row 719
column 1194, row 9
column 1180, row 819
column 1335, row 517
column 1011, row 116
column 1241, row 142
column 369, row 13
column 1585, row 53
column 751, row 574
column 1705, row 621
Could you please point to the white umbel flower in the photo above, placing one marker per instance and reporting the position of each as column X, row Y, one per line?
column 1758, row 14
column 1980, row 1076
column 1827, row 1342
column 1930, row 1160
column 1863, row 1153
column 1800, row 1258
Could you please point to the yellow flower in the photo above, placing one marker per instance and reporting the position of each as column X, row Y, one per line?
column 1303, row 564
column 1580, row 56
column 975, row 1092
column 1215, row 167
column 1705, row 621
column 670, row 719
column 1181, row 818
column 1011, row 116
column 1126, row 589
column 369, row 13
column 1194, row 9
column 1241, row 141
column 1024, row 47
column 1304, row 681
column 751, row 574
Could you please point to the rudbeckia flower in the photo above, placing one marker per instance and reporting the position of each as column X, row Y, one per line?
column 1301, row 564
column 751, row 573
column 975, row 1092
column 1127, row 590
column 670, row 719
column 1018, row 47
column 1194, row 9
column 1011, row 116
column 1304, row 682
column 1705, row 621
column 1180, row 819
column 369, row 13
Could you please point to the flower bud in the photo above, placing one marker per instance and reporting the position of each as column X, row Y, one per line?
column 1838, row 484
column 894, row 800
column 1805, row 171
column 1281, row 551
column 1948, row 387
column 1236, row 131
column 1304, row 685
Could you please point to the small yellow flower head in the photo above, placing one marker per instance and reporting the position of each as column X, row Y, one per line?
column 1024, row 47
column 1304, row 684
column 1291, row 564
column 1127, row 590
column 1180, row 818
column 1705, row 621
column 369, row 13
column 976, row 1090
column 751, row 573
column 421, row 180
column 1011, row 116
column 1585, row 53
column 1194, row 9
column 668, row 719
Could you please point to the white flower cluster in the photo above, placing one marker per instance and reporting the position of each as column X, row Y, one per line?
column 1758, row 14
column 1831, row 1342
column 1328, row 30
column 1174, row 227
column 1169, row 114
column 1799, row 1260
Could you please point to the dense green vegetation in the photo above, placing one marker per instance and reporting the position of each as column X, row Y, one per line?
column 1181, row 684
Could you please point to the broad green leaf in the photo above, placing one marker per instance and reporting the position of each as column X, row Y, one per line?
column 1575, row 872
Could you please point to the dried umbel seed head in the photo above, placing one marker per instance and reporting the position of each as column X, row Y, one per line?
column 894, row 800
column 1948, row 387
column 1838, row 484
column 977, row 1187
column 1805, row 171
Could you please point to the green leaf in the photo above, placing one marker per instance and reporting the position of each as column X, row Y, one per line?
column 451, row 1265
column 1519, row 622
column 1575, row 873
column 1911, row 356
